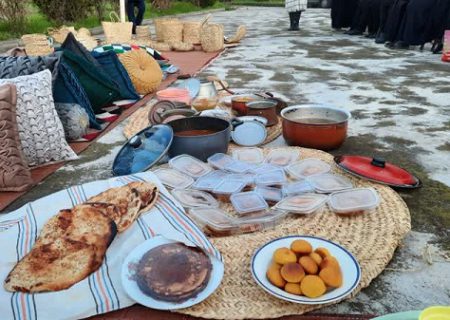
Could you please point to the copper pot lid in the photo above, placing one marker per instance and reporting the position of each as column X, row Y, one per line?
column 378, row 170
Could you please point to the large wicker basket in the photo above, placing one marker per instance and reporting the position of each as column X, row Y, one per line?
column 211, row 37
column 59, row 35
column 116, row 31
column 36, row 44
column 172, row 30
column 191, row 32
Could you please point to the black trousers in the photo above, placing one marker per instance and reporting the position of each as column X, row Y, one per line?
column 439, row 21
column 132, row 16
column 414, row 25
column 385, row 7
column 395, row 19
column 342, row 13
column 367, row 16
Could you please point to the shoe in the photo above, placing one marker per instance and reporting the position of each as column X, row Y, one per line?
column 389, row 45
column 380, row 38
column 370, row 36
column 437, row 47
column 354, row 32
column 401, row 45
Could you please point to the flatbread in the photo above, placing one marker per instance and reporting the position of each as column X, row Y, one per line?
column 52, row 267
column 148, row 192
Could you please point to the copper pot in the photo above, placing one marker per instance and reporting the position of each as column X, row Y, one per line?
column 239, row 103
column 266, row 108
column 317, row 127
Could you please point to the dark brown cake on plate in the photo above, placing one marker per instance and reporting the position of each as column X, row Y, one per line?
column 173, row 272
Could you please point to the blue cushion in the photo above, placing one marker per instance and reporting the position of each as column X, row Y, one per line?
column 67, row 89
column 117, row 72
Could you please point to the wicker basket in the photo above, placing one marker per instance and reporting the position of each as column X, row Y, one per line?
column 87, row 41
column 36, row 44
column 59, row 35
column 211, row 37
column 191, row 32
column 160, row 46
column 172, row 30
column 159, row 27
column 143, row 36
column 116, row 31
column 181, row 46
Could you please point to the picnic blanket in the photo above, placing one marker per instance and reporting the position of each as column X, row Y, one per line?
column 102, row 291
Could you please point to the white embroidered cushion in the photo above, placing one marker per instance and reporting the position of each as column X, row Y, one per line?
column 40, row 130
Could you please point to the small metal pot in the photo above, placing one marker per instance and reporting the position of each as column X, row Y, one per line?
column 264, row 108
column 317, row 127
column 201, row 146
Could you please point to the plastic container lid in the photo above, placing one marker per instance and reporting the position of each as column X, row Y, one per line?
column 269, row 193
column 173, row 178
column 238, row 167
column 220, row 160
column 378, row 170
column 245, row 202
column 328, row 182
column 190, row 165
column 354, row 200
column 299, row 187
column 262, row 168
column 214, row 221
column 249, row 155
column 260, row 220
column 248, row 178
column 144, row 150
column 274, row 177
column 308, row 167
column 208, row 182
column 305, row 203
column 282, row 157
column 195, row 198
column 228, row 187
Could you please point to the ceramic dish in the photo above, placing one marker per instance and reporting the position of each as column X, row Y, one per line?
column 132, row 289
column 351, row 270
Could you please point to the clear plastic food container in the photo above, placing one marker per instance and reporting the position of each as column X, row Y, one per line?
column 354, row 201
column 195, row 199
column 249, row 155
column 262, row 220
column 263, row 168
column 190, row 166
column 214, row 221
column 298, row 187
column 239, row 167
column 305, row 203
column 248, row 178
column 328, row 183
column 226, row 188
column 308, row 167
column 282, row 157
column 271, row 178
column 173, row 178
column 208, row 182
column 246, row 202
column 220, row 160
column 270, row 194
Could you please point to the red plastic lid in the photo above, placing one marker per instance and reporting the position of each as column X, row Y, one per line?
column 378, row 170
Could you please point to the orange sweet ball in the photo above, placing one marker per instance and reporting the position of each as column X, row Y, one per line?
column 331, row 276
column 323, row 252
column 316, row 257
column 313, row 286
column 293, row 288
column 301, row 247
column 284, row 255
column 308, row 264
column 274, row 276
column 292, row 272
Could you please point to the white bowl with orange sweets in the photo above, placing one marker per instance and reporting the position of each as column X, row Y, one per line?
column 305, row 269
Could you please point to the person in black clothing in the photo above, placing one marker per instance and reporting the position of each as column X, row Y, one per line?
column 385, row 7
column 439, row 22
column 367, row 17
column 132, row 17
column 342, row 13
column 394, row 21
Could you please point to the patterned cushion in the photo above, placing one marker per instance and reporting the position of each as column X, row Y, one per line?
column 144, row 71
column 99, row 88
column 11, row 67
column 40, row 130
column 112, row 65
column 14, row 173
column 74, row 119
column 122, row 48
column 77, row 48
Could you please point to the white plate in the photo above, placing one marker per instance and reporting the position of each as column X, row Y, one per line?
column 132, row 289
column 350, row 269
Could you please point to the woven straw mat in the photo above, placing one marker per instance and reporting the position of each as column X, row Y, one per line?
column 371, row 237
column 139, row 120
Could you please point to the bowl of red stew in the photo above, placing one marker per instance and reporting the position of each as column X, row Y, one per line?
column 200, row 137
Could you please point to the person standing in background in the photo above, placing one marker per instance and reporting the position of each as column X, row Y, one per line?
column 132, row 5
column 385, row 7
column 342, row 13
column 295, row 8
